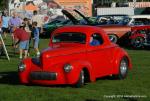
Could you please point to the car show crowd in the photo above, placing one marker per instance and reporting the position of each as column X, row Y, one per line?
column 120, row 28
column 22, row 31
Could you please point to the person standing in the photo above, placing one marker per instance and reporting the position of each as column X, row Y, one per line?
column 37, row 18
column 28, row 29
column 5, row 25
column 36, row 32
column 15, row 21
column 27, row 25
column 21, row 37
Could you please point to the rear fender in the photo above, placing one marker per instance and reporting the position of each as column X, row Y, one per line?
column 119, row 54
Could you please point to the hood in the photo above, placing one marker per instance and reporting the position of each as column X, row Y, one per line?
column 73, row 19
column 58, row 50
column 70, row 16
column 85, row 18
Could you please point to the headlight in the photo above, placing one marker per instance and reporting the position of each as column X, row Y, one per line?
column 21, row 67
column 67, row 68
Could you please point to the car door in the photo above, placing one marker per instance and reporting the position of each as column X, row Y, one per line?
column 99, row 55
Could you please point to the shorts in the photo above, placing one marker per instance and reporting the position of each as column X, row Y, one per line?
column 24, row 45
column 36, row 42
column 11, row 30
column 5, row 30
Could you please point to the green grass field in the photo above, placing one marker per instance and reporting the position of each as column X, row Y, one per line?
column 136, row 87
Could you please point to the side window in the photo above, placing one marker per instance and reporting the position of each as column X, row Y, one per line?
column 96, row 39
column 141, row 21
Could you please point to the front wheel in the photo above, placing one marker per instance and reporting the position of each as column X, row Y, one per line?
column 81, row 80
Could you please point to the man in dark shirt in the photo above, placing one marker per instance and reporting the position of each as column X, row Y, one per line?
column 21, row 37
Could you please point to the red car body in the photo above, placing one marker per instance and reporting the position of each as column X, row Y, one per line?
column 95, row 61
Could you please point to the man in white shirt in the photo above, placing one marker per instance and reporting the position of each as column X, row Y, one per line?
column 37, row 18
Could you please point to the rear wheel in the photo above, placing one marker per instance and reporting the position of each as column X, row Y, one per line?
column 81, row 80
column 123, row 68
column 137, row 42
column 113, row 38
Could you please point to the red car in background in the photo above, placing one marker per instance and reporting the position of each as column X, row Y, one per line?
column 76, row 54
column 118, row 26
column 140, row 36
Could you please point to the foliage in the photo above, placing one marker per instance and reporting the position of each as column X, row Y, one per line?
column 3, row 4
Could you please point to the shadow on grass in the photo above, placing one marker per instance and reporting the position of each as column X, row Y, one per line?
column 107, row 78
column 12, row 78
column 9, row 78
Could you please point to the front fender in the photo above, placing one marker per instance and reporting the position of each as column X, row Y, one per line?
column 79, row 65
column 24, row 75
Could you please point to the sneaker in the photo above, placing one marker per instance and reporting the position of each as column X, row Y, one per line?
column 38, row 54
column 28, row 54
column 20, row 58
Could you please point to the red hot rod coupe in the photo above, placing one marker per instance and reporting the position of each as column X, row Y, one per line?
column 76, row 54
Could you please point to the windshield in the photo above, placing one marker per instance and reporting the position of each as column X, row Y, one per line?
column 69, row 37
column 54, row 22
column 115, row 20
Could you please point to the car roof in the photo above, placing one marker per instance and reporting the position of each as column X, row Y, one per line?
column 86, row 29
column 80, row 28
column 140, row 16
column 113, row 15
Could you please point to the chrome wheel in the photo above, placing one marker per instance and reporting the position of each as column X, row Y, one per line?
column 82, row 77
column 81, row 80
column 137, row 42
column 123, row 67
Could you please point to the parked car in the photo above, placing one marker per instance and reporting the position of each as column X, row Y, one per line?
column 75, row 55
column 118, row 26
column 115, row 31
column 137, row 20
column 140, row 36
column 50, row 27
column 120, row 19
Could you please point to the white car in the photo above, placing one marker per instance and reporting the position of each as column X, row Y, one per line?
column 137, row 20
